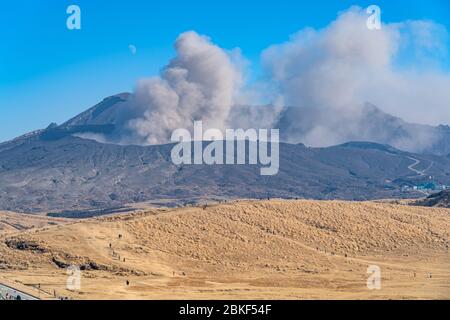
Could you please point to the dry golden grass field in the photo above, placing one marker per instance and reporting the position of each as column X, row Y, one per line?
column 240, row 250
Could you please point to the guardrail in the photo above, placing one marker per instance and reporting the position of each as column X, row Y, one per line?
column 5, row 289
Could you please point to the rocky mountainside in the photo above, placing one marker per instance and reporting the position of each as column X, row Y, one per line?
column 70, row 173
column 441, row 199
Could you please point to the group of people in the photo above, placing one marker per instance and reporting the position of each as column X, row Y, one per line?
column 8, row 296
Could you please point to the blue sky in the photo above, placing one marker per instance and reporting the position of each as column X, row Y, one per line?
column 49, row 73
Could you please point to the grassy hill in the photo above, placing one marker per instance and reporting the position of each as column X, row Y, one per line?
column 249, row 249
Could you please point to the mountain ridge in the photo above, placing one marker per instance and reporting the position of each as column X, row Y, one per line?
column 71, row 173
column 57, row 170
column 106, row 122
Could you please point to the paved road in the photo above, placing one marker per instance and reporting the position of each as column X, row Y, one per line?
column 14, row 293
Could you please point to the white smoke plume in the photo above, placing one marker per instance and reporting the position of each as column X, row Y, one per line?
column 200, row 83
column 322, row 88
column 329, row 75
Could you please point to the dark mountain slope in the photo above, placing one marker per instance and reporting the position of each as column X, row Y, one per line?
column 72, row 174
column 441, row 199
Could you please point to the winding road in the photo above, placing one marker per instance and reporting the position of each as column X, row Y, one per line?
column 420, row 173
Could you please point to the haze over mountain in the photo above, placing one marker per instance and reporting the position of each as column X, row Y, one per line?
column 321, row 87
column 107, row 122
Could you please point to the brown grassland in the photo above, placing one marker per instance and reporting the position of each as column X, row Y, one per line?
column 274, row 249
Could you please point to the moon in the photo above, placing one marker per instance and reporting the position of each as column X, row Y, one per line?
column 132, row 49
